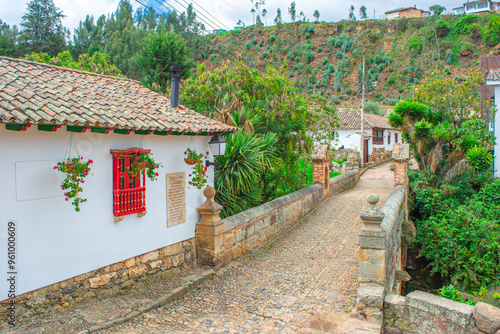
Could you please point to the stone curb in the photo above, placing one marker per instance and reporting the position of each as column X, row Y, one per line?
column 375, row 164
column 165, row 299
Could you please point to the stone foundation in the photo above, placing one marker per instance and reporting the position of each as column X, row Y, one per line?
column 108, row 280
column 379, row 154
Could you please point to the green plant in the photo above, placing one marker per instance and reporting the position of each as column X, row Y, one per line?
column 76, row 169
column 143, row 162
column 449, row 292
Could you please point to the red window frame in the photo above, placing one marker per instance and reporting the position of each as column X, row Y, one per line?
column 378, row 137
column 129, row 193
column 395, row 137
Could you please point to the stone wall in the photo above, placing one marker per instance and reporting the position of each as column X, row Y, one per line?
column 380, row 253
column 253, row 228
column 424, row 313
column 108, row 280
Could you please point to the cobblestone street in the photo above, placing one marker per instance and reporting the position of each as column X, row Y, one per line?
column 303, row 282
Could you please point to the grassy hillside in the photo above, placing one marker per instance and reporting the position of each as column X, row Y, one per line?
column 326, row 58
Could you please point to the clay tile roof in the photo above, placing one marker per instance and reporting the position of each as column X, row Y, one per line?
column 351, row 120
column 38, row 93
column 493, row 74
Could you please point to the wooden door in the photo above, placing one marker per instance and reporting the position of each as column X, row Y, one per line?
column 365, row 151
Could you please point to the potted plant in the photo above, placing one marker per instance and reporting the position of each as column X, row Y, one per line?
column 144, row 162
column 190, row 156
column 76, row 169
column 199, row 176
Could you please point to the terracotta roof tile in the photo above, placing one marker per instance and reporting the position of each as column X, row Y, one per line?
column 351, row 120
column 32, row 92
column 493, row 74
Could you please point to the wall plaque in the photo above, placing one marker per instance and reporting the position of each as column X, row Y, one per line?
column 176, row 198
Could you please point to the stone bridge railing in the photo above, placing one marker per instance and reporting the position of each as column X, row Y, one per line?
column 380, row 274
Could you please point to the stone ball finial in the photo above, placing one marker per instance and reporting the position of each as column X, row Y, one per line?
column 372, row 198
column 209, row 192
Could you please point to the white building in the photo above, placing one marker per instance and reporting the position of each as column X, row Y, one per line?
column 493, row 79
column 378, row 132
column 41, row 108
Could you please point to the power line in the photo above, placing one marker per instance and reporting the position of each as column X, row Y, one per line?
column 213, row 24
column 210, row 14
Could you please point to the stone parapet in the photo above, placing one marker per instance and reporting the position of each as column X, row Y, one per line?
column 424, row 313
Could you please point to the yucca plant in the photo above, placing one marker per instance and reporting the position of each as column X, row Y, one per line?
column 239, row 179
column 479, row 158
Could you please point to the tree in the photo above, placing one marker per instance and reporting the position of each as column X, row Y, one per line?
column 159, row 52
column 8, row 38
column 253, row 14
column 303, row 16
column 292, row 12
column 278, row 20
column 241, row 23
column 264, row 12
column 316, row 15
column 258, row 22
column 351, row 14
column 437, row 9
column 362, row 13
column 42, row 28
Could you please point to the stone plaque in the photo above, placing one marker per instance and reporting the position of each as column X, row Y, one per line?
column 176, row 198
column 401, row 151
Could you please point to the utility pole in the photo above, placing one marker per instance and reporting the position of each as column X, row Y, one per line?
column 362, row 147
column 374, row 14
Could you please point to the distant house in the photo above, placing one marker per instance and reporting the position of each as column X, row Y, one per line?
column 44, row 109
column 405, row 12
column 378, row 132
column 493, row 79
column 476, row 7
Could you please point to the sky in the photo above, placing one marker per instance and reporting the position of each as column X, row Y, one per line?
column 228, row 12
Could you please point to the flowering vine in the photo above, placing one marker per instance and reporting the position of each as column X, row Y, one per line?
column 199, row 176
column 144, row 162
column 76, row 169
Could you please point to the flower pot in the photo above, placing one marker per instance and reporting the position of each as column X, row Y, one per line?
column 190, row 161
column 139, row 165
column 69, row 167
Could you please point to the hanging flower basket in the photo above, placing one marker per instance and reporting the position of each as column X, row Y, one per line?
column 199, row 176
column 76, row 170
column 190, row 156
column 144, row 162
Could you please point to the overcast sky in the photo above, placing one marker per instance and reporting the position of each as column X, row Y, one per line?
column 226, row 11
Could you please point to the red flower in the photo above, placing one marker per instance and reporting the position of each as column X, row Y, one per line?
column 185, row 152
column 62, row 188
column 83, row 181
column 201, row 154
column 206, row 169
column 55, row 167
column 157, row 174
column 190, row 174
column 203, row 172
column 206, row 157
column 65, row 194
column 67, row 199
column 91, row 161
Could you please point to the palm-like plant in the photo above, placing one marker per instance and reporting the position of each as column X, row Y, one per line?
column 239, row 179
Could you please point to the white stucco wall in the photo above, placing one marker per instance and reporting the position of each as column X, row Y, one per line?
column 54, row 242
column 496, row 162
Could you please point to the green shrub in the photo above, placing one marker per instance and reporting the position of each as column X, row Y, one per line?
column 320, row 49
column 324, row 60
column 339, row 55
column 491, row 31
column 272, row 38
column 310, row 56
column 265, row 55
column 307, row 35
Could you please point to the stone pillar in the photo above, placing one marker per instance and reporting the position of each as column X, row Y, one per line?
column 372, row 264
column 209, row 231
column 321, row 166
column 401, row 173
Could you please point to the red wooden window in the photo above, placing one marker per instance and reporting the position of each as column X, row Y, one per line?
column 395, row 137
column 378, row 137
column 129, row 191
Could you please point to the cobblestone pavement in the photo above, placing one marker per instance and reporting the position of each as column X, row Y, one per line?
column 303, row 282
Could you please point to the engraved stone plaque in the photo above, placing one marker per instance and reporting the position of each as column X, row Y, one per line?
column 176, row 198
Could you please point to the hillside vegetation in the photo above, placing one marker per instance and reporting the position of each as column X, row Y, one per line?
column 326, row 58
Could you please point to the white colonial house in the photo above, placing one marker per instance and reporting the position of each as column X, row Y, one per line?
column 493, row 79
column 377, row 132
column 129, row 225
